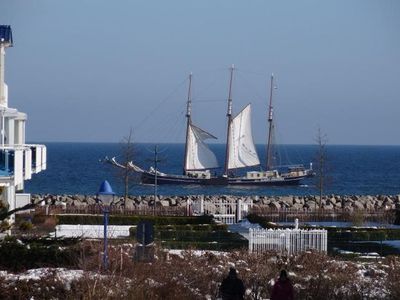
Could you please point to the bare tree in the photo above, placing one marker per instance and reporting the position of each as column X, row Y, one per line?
column 127, row 155
column 322, row 177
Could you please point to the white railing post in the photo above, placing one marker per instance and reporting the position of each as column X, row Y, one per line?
column 238, row 210
column 188, row 206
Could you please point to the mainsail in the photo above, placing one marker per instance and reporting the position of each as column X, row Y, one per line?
column 199, row 156
column 242, row 152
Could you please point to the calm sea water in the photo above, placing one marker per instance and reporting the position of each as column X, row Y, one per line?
column 74, row 168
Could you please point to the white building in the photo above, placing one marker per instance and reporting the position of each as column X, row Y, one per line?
column 18, row 160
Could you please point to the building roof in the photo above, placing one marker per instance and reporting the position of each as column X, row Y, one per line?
column 6, row 35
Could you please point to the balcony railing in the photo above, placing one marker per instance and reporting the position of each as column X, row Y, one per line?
column 20, row 161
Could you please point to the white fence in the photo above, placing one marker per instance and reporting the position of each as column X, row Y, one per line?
column 289, row 241
column 228, row 211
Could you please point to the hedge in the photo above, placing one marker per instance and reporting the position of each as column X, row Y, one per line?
column 132, row 220
column 201, row 236
column 16, row 255
column 190, row 235
column 197, row 227
column 221, row 246
column 369, row 234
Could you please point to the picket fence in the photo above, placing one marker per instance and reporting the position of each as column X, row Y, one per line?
column 287, row 241
column 228, row 211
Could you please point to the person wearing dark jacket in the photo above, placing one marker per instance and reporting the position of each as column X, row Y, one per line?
column 283, row 288
column 232, row 287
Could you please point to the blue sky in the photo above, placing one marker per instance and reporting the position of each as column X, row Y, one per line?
column 90, row 70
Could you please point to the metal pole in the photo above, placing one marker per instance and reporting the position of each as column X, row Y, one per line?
column 105, row 221
column 229, row 115
column 155, row 178
column 268, row 160
column 188, row 123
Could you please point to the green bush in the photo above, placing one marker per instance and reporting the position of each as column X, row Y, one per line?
column 367, row 234
column 196, row 227
column 202, row 236
column 186, row 230
column 132, row 220
column 214, row 245
column 17, row 255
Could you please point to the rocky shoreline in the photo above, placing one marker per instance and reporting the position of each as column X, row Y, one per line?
column 330, row 202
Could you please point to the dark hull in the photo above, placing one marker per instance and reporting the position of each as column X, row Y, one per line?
column 149, row 178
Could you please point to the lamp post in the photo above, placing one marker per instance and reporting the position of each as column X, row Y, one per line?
column 105, row 197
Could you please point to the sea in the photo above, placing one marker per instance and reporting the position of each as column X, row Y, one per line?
column 78, row 168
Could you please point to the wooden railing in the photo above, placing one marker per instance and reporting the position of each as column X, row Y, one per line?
column 96, row 209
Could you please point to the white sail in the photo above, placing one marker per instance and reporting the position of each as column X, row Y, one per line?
column 242, row 152
column 199, row 156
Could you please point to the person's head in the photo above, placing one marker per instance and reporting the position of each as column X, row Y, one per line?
column 232, row 272
column 283, row 275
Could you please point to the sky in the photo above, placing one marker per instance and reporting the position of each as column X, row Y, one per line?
column 89, row 70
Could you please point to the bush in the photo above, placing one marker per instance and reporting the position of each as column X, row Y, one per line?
column 39, row 219
column 4, row 225
column 25, row 226
column 132, row 220
column 357, row 218
column 367, row 234
column 186, row 237
column 18, row 255
column 214, row 245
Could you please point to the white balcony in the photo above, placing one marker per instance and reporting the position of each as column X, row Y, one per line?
column 18, row 162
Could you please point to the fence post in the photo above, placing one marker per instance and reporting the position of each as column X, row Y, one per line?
column 238, row 210
column 250, row 240
column 202, row 205
column 188, row 206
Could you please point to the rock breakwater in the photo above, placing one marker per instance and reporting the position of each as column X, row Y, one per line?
column 330, row 202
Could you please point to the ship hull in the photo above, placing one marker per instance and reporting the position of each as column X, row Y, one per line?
column 149, row 178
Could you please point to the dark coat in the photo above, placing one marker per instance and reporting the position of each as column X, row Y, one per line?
column 282, row 290
column 232, row 288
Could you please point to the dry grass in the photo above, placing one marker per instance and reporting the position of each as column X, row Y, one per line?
column 193, row 276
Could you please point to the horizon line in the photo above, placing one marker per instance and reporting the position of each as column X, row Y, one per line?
column 181, row 143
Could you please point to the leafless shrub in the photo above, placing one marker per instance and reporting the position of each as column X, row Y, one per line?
column 393, row 278
column 194, row 275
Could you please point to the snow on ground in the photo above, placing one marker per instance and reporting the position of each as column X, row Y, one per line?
column 91, row 231
column 64, row 275
column 180, row 252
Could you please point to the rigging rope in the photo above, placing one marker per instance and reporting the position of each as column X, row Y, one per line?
column 152, row 112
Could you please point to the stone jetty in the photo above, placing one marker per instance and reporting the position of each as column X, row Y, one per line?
column 329, row 202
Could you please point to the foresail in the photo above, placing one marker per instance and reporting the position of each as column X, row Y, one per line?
column 242, row 152
column 199, row 156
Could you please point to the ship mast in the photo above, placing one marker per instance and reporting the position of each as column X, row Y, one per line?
column 271, row 128
column 189, row 121
column 229, row 115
